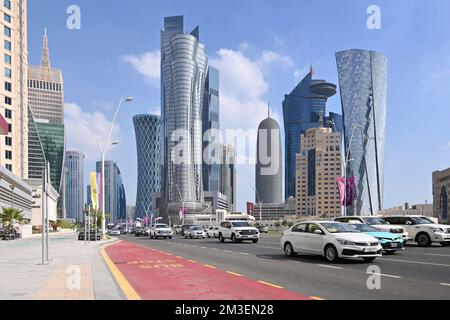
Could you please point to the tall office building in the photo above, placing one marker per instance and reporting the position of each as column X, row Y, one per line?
column 46, row 123
column 74, row 166
column 228, row 176
column 302, row 109
column 14, row 95
column 115, row 200
column 184, row 67
column 269, row 176
column 318, row 166
column 363, row 87
column 147, row 130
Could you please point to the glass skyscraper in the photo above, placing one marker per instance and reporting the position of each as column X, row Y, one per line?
column 115, row 199
column 74, row 166
column 302, row 109
column 147, row 130
column 363, row 87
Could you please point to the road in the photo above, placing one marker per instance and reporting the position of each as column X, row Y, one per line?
column 416, row 273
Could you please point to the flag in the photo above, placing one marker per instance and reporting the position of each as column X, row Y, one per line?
column 347, row 190
column 99, row 193
column 182, row 213
column 250, row 208
column 341, row 186
column 94, row 190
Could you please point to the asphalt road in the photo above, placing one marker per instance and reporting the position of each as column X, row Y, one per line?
column 416, row 273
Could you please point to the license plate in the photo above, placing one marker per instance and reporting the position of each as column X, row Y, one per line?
column 394, row 245
column 370, row 250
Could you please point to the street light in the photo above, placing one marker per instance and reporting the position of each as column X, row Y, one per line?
column 103, row 153
column 260, row 205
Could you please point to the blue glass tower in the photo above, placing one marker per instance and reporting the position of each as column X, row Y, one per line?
column 147, row 129
column 302, row 110
column 363, row 87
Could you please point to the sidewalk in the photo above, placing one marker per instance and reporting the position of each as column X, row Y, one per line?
column 76, row 272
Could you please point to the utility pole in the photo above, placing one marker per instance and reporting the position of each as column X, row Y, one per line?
column 44, row 179
column 47, row 181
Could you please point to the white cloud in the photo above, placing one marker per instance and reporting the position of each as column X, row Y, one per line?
column 83, row 126
column 147, row 64
column 269, row 58
column 300, row 73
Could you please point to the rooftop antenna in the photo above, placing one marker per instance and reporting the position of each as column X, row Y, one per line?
column 268, row 109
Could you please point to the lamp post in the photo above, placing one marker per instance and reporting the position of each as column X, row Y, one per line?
column 182, row 199
column 13, row 187
column 103, row 153
column 260, row 205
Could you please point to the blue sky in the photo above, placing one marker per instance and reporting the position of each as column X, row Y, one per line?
column 263, row 48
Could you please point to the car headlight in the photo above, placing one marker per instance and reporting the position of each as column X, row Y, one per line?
column 438, row 230
column 345, row 242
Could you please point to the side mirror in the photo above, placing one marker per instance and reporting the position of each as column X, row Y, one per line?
column 318, row 232
column 409, row 223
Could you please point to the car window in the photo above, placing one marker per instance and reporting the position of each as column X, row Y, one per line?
column 311, row 228
column 299, row 228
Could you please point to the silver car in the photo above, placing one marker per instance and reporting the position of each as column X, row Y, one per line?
column 195, row 232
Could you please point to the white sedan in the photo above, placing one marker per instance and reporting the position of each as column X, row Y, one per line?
column 333, row 240
column 213, row 232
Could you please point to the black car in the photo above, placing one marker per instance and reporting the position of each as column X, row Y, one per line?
column 92, row 235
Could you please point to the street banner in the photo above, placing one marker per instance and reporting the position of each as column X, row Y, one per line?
column 182, row 213
column 347, row 190
column 99, row 188
column 341, row 187
column 250, row 208
column 94, row 190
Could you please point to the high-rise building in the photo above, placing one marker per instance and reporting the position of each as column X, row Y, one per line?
column 115, row 200
column 184, row 68
column 46, row 103
column 302, row 109
column 14, row 95
column 318, row 166
column 441, row 195
column 74, row 166
column 147, row 129
column 269, row 176
column 363, row 88
column 228, row 176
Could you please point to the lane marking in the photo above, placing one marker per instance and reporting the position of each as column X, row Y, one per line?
column 235, row 274
column 270, row 284
column 330, row 267
column 384, row 275
column 438, row 255
column 179, row 257
column 244, row 253
column 417, row 262
column 445, row 284
column 209, row 266
column 228, row 251
column 264, row 247
column 126, row 287
column 316, row 298
column 193, row 261
column 214, row 249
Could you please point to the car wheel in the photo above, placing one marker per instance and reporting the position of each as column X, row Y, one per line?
column 233, row 238
column 185, row 237
column 170, row 238
column 331, row 253
column 289, row 250
column 221, row 238
column 445, row 244
column 191, row 236
column 369, row 259
column 423, row 239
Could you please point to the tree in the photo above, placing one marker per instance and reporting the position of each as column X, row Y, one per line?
column 10, row 214
column 290, row 224
column 277, row 224
column 284, row 223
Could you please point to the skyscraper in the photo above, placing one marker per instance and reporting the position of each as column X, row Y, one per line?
column 74, row 166
column 363, row 87
column 302, row 109
column 269, row 176
column 14, row 95
column 115, row 199
column 228, row 176
column 184, row 67
column 147, row 129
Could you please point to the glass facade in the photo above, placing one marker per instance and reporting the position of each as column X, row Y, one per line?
column 302, row 110
column 147, row 130
column 74, row 169
column 36, row 156
column 363, row 87
column 115, row 199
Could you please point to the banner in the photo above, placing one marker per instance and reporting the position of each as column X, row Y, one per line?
column 182, row 213
column 99, row 193
column 347, row 190
column 250, row 208
column 94, row 190
column 341, row 187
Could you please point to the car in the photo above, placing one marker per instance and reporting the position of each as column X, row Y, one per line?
column 114, row 232
column 184, row 228
column 161, row 231
column 195, row 232
column 92, row 235
column 263, row 229
column 238, row 231
column 177, row 229
column 422, row 230
column 213, row 232
column 389, row 241
column 140, row 231
column 330, row 239
column 379, row 223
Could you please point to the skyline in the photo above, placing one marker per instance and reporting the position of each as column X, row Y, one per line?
column 268, row 66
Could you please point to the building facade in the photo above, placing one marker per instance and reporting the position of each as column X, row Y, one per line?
column 74, row 198
column 302, row 109
column 441, row 195
column 115, row 198
column 184, row 69
column 407, row 209
column 14, row 93
column 147, row 129
column 228, row 176
column 318, row 166
column 363, row 87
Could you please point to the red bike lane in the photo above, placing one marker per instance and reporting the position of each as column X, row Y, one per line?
column 155, row 275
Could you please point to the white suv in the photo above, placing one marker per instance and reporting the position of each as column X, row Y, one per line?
column 422, row 230
column 238, row 231
column 379, row 223
column 160, row 231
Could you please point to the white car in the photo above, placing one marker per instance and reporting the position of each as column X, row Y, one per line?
column 238, row 231
column 379, row 223
column 195, row 232
column 160, row 231
column 114, row 232
column 213, row 232
column 423, row 230
column 330, row 239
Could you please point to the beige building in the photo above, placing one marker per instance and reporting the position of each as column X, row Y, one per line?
column 318, row 166
column 14, row 91
column 406, row 210
column 441, row 194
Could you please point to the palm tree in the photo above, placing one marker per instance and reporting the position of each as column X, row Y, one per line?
column 11, row 214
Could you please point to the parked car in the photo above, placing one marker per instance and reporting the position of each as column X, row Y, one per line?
column 331, row 239
column 91, row 236
column 213, row 232
column 160, row 231
column 238, row 231
column 378, row 223
column 195, row 232
column 422, row 230
column 389, row 241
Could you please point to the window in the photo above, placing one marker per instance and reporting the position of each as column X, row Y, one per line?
column 8, row 73
column 7, row 4
column 299, row 228
column 8, row 59
column 7, row 45
column 7, row 31
column 8, row 114
column 9, row 167
column 8, row 101
column 8, row 141
column 7, row 18
column 8, row 155
column 8, row 86
column 9, row 127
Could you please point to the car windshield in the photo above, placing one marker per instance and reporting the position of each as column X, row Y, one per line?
column 339, row 228
column 375, row 221
column 196, row 228
column 420, row 220
column 365, row 228
column 240, row 224
column 162, row 226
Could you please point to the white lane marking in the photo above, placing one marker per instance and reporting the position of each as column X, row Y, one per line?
column 438, row 255
column 268, row 247
column 244, row 253
column 445, row 284
column 228, row 251
column 418, row 262
column 214, row 249
column 384, row 275
column 330, row 267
